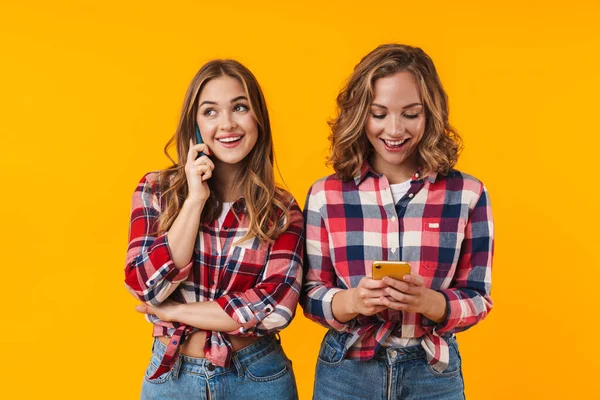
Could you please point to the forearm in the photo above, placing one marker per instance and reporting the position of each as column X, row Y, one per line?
column 183, row 232
column 205, row 315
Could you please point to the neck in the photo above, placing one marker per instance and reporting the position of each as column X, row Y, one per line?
column 394, row 173
column 226, row 181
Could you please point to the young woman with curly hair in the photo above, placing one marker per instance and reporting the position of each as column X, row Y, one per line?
column 395, row 196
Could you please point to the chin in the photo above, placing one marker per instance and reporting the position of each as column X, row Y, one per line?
column 395, row 161
column 230, row 161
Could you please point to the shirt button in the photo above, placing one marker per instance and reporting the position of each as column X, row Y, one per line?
column 174, row 341
column 210, row 367
column 393, row 354
column 411, row 195
column 268, row 309
column 393, row 218
column 393, row 249
column 152, row 282
column 225, row 228
column 216, row 253
column 416, row 174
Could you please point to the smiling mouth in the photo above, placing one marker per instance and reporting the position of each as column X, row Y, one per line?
column 231, row 139
column 394, row 144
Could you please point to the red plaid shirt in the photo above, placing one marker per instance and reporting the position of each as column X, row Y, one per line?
column 257, row 284
column 443, row 227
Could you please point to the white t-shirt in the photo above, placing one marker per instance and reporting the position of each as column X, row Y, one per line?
column 226, row 208
column 399, row 190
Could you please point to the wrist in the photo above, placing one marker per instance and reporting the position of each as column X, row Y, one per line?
column 342, row 306
column 351, row 307
column 436, row 311
column 175, row 312
column 194, row 201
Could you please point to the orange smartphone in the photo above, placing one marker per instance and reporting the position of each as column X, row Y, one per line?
column 393, row 269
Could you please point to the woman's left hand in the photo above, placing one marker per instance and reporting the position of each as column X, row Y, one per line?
column 166, row 311
column 410, row 294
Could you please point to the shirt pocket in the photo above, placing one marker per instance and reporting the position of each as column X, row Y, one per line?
column 244, row 268
column 441, row 240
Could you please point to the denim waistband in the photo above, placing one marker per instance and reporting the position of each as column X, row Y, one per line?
column 239, row 359
column 394, row 354
column 340, row 342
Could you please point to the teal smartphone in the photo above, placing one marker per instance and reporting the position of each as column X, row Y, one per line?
column 198, row 141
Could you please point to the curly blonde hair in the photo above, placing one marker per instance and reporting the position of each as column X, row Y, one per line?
column 266, row 204
column 440, row 146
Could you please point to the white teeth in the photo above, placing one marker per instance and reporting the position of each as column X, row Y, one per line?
column 395, row 142
column 230, row 139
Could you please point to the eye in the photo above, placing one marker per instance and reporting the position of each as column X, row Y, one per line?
column 378, row 116
column 411, row 116
column 240, row 108
column 209, row 112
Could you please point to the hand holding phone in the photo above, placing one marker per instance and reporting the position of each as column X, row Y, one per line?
column 198, row 169
column 393, row 269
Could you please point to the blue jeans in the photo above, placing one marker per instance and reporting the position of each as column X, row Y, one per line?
column 394, row 373
column 259, row 371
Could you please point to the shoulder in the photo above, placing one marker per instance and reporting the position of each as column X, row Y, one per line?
column 327, row 191
column 149, row 183
column 469, row 186
column 148, row 190
column 287, row 199
column 328, row 184
column 288, row 209
column 151, row 178
column 458, row 180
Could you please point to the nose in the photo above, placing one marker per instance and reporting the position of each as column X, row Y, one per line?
column 227, row 122
column 397, row 127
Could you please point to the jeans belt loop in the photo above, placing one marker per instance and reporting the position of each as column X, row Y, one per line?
column 177, row 366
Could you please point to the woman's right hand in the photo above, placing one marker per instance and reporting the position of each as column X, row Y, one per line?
column 198, row 171
column 366, row 297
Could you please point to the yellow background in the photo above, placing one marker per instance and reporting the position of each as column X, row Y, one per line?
column 90, row 93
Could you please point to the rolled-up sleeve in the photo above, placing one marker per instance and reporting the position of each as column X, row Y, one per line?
column 150, row 273
column 469, row 299
column 270, row 306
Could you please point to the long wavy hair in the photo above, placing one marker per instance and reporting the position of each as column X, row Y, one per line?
column 266, row 204
column 440, row 146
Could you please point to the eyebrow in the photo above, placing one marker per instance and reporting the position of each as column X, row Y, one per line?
column 232, row 100
column 404, row 108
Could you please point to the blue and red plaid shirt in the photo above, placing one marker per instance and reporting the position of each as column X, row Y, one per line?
column 256, row 283
column 442, row 226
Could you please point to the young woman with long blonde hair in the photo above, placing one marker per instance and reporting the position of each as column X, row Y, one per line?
column 215, row 249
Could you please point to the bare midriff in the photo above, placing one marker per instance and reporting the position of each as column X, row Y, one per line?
column 194, row 344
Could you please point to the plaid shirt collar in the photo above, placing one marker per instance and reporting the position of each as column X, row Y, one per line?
column 239, row 206
column 366, row 169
